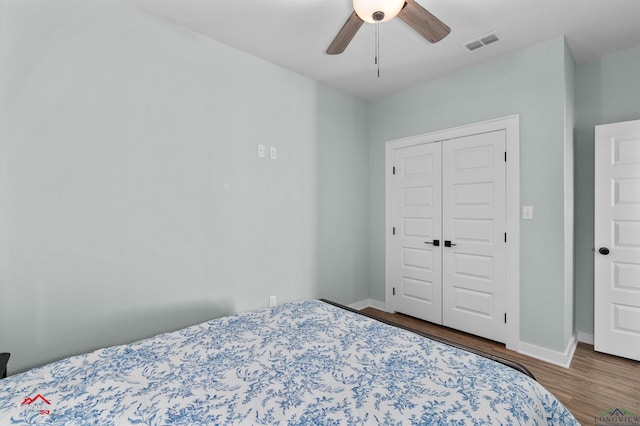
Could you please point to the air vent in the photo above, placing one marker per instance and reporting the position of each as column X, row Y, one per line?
column 491, row 38
column 481, row 42
column 474, row 45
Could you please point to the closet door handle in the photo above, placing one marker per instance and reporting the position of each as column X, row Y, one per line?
column 434, row 243
column 448, row 243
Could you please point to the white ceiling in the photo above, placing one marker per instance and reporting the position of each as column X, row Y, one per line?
column 295, row 34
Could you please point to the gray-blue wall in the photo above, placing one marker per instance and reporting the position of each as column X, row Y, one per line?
column 132, row 200
column 531, row 83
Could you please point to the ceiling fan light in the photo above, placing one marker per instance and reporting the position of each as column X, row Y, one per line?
column 367, row 8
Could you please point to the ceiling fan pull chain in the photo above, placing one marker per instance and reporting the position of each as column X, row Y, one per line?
column 375, row 47
column 377, row 60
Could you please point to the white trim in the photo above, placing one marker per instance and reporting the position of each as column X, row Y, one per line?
column 368, row 303
column 585, row 337
column 511, row 126
column 563, row 359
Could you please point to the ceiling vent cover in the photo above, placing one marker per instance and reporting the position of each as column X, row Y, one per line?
column 481, row 42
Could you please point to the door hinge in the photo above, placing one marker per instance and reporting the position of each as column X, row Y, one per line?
column 394, row 230
column 505, row 156
column 394, row 170
column 394, row 291
column 505, row 318
column 505, row 237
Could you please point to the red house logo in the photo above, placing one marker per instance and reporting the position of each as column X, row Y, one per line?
column 28, row 400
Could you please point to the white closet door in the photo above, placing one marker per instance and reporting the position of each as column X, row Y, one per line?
column 617, row 239
column 474, row 221
column 416, row 261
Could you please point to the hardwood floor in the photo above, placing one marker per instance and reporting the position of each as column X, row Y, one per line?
column 594, row 383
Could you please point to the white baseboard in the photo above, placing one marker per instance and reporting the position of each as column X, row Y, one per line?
column 585, row 338
column 369, row 303
column 562, row 359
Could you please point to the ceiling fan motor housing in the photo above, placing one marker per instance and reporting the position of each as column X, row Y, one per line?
column 373, row 11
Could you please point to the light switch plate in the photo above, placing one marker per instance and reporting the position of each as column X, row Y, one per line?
column 273, row 152
column 527, row 212
column 261, row 150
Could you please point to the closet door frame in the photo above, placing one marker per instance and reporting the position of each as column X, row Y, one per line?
column 511, row 126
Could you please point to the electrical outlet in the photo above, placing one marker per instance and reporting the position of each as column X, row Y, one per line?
column 273, row 152
column 272, row 301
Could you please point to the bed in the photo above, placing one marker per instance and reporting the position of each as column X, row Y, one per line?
column 308, row 362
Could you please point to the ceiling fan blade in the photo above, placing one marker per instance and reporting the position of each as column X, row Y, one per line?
column 423, row 22
column 345, row 35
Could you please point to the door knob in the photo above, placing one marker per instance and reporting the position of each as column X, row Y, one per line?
column 603, row 250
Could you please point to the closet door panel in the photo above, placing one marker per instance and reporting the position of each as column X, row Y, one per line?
column 418, row 214
column 473, row 187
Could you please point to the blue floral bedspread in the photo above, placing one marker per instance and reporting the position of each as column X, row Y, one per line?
column 299, row 363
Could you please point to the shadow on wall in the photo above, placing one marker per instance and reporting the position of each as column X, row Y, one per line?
column 130, row 326
column 124, row 327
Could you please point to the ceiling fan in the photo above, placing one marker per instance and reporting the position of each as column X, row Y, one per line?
column 374, row 11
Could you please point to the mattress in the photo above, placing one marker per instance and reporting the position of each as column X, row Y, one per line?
column 306, row 362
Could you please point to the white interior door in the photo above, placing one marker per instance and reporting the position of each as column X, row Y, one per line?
column 418, row 217
column 617, row 239
column 474, row 223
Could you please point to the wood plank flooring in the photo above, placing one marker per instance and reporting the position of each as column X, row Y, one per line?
column 594, row 382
